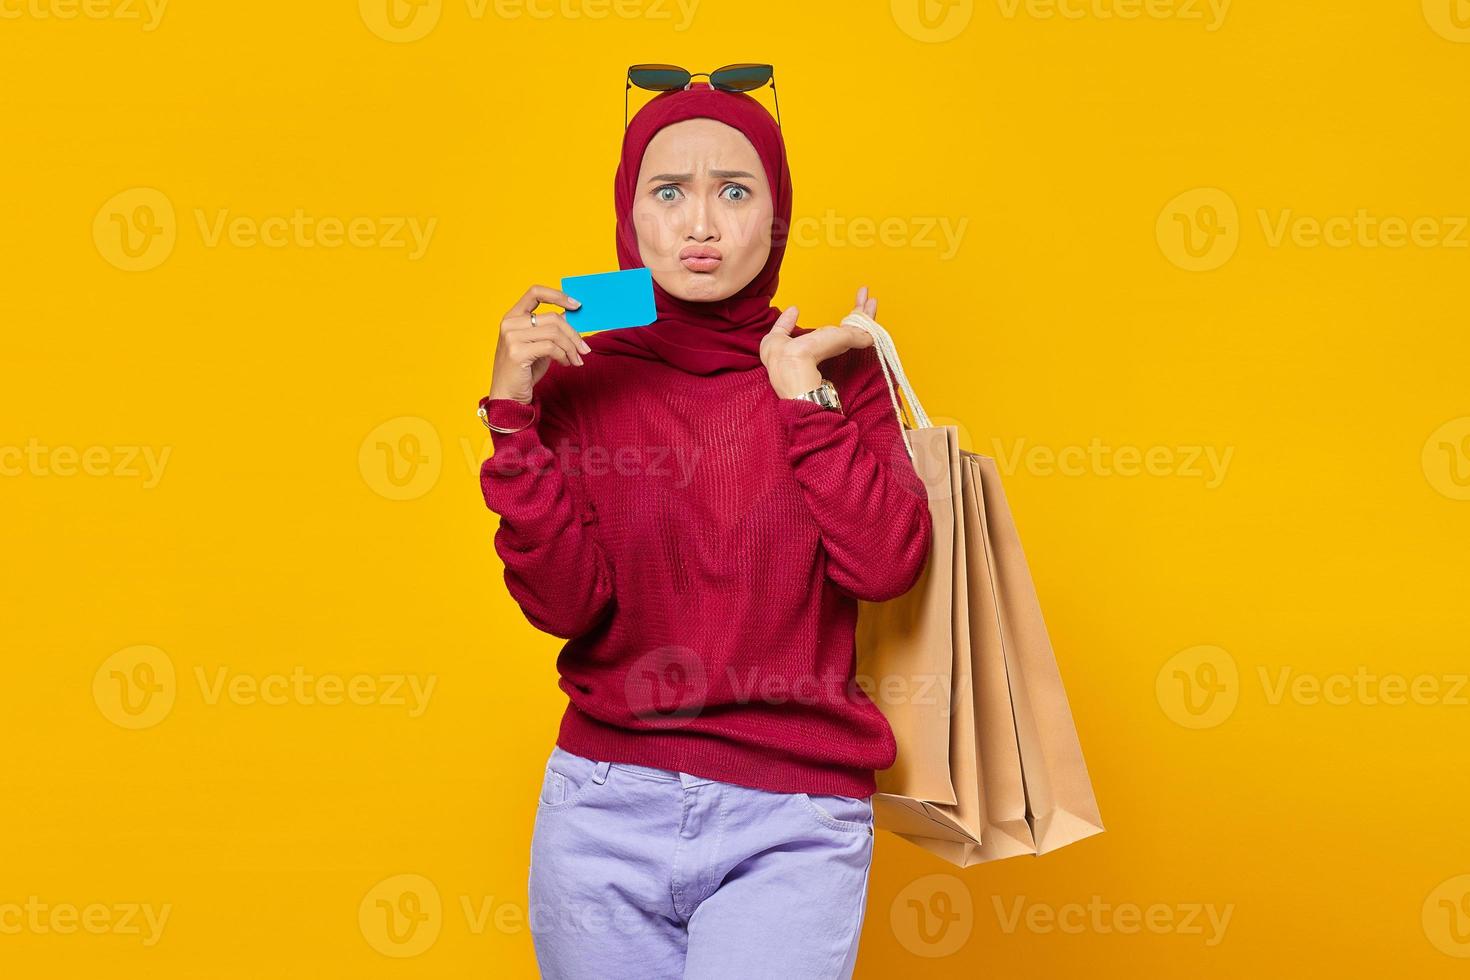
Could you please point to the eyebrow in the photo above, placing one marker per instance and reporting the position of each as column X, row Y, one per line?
column 679, row 178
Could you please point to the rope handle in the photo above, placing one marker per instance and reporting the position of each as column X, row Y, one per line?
column 892, row 370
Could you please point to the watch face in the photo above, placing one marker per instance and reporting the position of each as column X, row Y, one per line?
column 829, row 395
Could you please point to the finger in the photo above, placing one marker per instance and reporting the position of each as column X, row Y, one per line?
column 534, row 350
column 556, row 331
column 872, row 308
column 859, row 337
column 560, row 328
column 862, row 297
column 542, row 294
column 786, row 320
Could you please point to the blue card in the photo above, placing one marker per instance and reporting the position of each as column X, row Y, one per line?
column 610, row 300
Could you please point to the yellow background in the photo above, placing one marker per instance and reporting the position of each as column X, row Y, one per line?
column 1073, row 150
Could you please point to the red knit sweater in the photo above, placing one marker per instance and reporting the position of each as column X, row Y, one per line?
column 701, row 542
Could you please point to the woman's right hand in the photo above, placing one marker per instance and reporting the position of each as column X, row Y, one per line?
column 523, row 352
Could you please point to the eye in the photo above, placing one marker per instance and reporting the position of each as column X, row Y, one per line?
column 658, row 193
column 742, row 193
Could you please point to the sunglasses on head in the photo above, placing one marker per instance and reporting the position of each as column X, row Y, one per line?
column 731, row 78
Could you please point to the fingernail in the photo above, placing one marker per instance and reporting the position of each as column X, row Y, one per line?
column 585, row 349
column 575, row 302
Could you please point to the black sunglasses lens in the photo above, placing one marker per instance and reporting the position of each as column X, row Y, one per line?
column 658, row 78
column 740, row 78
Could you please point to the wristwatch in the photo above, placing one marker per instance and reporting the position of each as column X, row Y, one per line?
column 824, row 394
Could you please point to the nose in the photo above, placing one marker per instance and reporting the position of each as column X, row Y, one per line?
column 701, row 230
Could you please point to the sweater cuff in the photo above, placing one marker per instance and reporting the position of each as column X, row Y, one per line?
column 509, row 413
column 511, row 449
column 797, row 413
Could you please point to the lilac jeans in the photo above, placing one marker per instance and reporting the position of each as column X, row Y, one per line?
column 655, row 873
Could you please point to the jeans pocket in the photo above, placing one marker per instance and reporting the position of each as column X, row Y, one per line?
column 848, row 814
column 567, row 779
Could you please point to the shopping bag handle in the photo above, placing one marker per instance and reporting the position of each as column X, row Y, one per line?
column 892, row 370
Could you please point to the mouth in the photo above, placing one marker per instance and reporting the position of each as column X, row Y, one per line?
column 700, row 258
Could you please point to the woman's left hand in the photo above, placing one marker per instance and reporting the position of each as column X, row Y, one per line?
column 792, row 362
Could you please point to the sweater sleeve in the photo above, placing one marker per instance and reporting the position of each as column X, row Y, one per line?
column 555, row 568
column 857, row 477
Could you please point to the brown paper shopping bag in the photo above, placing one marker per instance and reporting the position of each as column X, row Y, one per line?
column 1010, row 778
column 907, row 648
column 1060, row 803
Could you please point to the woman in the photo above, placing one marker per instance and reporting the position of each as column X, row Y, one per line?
column 699, row 532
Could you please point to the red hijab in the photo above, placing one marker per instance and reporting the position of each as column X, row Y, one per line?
column 701, row 338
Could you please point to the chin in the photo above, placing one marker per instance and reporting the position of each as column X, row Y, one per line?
column 699, row 287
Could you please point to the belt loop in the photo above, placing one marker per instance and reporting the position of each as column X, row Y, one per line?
column 599, row 774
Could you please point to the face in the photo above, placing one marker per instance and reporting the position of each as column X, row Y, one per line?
column 702, row 210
